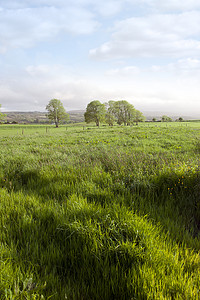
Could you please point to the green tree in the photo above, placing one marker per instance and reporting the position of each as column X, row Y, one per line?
column 166, row 119
column 95, row 112
column 123, row 112
column 56, row 112
column 139, row 117
column 2, row 116
column 110, row 117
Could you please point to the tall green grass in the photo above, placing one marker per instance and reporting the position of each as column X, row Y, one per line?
column 108, row 213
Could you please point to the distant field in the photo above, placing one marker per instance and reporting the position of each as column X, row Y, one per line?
column 100, row 213
column 31, row 129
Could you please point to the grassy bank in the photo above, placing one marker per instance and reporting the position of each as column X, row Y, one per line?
column 108, row 213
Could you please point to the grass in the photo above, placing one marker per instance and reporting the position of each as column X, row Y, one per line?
column 100, row 213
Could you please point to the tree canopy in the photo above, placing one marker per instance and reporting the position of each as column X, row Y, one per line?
column 121, row 112
column 95, row 112
column 139, row 117
column 56, row 112
column 166, row 119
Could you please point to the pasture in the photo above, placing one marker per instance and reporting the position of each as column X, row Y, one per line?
column 100, row 213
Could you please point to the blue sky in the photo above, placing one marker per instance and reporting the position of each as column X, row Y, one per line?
column 144, row 51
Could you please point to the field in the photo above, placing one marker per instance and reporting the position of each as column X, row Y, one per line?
column 100, row 213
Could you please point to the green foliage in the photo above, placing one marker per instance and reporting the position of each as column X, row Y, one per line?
column 166, row 119
column 56, row 112
column 138, row 117
column 123, row 111
column 110, row 118
column 95, row 112
column 2, row 116
column 108, row 213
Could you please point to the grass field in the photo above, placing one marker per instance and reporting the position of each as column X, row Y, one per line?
column 100, row 213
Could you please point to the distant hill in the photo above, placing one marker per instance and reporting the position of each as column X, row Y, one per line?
column 35, row 117
column 158, row 115
column 76, row 116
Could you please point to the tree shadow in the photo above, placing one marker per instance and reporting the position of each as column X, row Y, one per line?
column 170, row 199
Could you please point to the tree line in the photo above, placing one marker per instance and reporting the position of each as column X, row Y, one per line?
column 120, row 112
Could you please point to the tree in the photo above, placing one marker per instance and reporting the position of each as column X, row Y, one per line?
column 123, row 112
column 166, row 119
column 110, row 118
column 95, row 112
column 2, row 116
column 56, row 112
column 139, row 117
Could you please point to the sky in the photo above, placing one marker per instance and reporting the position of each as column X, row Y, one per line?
column 144, row 51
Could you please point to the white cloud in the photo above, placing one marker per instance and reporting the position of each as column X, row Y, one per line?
column 184, row 68
column 25, row 27
column 40, row 83
column 107, row 7
column 38, row 71
column 173, row 87
column 29, row 79
column 174, row 35
column 26, row 22
column 187, row 69
column 124, row 72
column 101, row 7
column 145, row 90
column 173, row 5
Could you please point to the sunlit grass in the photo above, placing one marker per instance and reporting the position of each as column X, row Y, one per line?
column 100, row 213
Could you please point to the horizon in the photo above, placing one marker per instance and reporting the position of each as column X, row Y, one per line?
column 145, row 52
column 147, row 114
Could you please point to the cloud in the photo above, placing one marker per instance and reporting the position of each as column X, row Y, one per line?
column 183, row 67
column 173, row 5
column 102, row 7
column 187, row 68
column 40, row 83
column 124, row 72
column 24, row 27
column 170, row 35
column 29, row 79
column 24, row 23
column 173, row 87
column 139, row 86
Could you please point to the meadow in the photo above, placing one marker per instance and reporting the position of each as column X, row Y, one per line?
column 100, row 213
